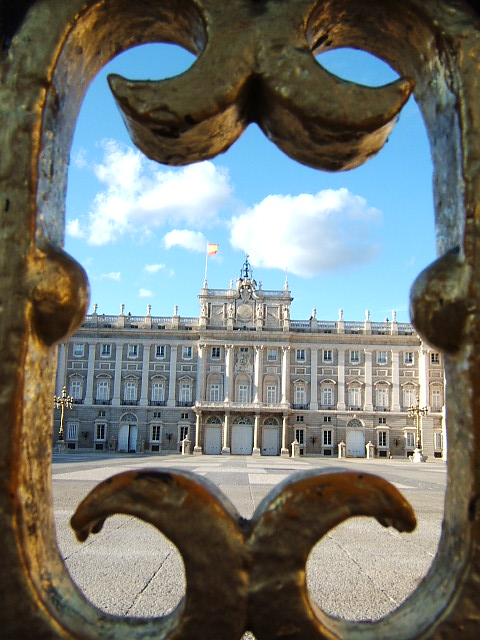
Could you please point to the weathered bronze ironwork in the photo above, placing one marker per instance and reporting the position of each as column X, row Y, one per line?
column 255, row 63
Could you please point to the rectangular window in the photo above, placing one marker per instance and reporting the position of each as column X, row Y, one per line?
column 354, row 397
column 327, row 438
column 300, row 394
column 76, row 388
column 381, row 357
column 435, row 358
column 103, row 390
column 300, row 436
column 271, row 394
column 410, row 439
column 215, row 392
column 158, row 391
column 183, row 432
column 382, row 438
column 132, row 351
column 100, row 430
column 409, row 397
column 300, row 355
column 408, row 357
column 382, row 397
column 157, row 414
column 438, row 440
column 382, row 421
column 184, row 416
column 327, row 355
column 72, row 431
column 106, row 350
column 78, row 350
column 327, row 418
column 130, row 391
column 155, row 437
column 243, row 393
column 355, row 356
column 160, row 351
column 216, row 353
column 437, row 399
column 327, row 396
column 187, row 353
column 299, row 418
column 185, row 392
column 272, row 355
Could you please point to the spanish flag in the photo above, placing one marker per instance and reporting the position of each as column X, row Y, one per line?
column 212, row 249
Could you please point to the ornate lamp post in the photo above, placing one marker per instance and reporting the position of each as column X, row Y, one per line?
column 415, row 412
column 62, row 402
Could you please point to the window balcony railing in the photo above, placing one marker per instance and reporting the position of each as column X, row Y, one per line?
column 102, row 401
column 157, row 403
column 131, row 403
column 300, row 405
column 184, row 403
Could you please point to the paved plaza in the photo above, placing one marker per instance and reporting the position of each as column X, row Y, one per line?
column 360, row 570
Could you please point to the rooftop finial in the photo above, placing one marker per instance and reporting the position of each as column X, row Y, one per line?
column 285, row 286
column 246, row 271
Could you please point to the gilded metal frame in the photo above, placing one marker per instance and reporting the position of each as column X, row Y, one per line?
column 254, row 64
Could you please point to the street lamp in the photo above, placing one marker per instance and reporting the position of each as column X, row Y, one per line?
column 62, row 402
column 415, row 412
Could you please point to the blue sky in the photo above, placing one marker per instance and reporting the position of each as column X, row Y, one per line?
column 354, row 240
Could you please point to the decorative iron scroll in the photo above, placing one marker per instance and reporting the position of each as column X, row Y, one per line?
column 259, row 563
column 256, row 58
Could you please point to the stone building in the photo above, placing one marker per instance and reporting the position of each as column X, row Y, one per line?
column 243, row 378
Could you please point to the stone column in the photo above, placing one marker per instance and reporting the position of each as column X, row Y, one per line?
column 228, row 372
column 368, row 405
column 226, row 448
column 285, row 380
column 256, row 450
column 61, row 369
column 172, row 378
column 423, row 374
column 145, row 371
column 395, row 381
column 117, row 382
column 202, row 350
column 258, row 375
column 197, row 448
column 341, row 381
column 90, row 374
column 314, row 380
column 284, row 452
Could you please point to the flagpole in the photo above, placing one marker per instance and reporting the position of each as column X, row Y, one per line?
column 206, row 263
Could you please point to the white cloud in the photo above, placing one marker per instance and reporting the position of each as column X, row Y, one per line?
column 308, row 234
column 113, row 275
column 192, row 240
column 73, row 229
column 145, row 293
column 138, row 195
column 153, row 268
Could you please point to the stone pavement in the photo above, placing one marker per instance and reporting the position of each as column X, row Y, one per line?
column 360, row 570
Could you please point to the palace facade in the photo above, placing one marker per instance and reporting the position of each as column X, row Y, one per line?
column 245, row 379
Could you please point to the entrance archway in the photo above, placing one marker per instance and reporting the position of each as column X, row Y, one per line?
column 128, row 433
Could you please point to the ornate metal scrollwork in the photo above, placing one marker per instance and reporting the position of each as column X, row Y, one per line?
column 260, row 563
column 256, row 57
